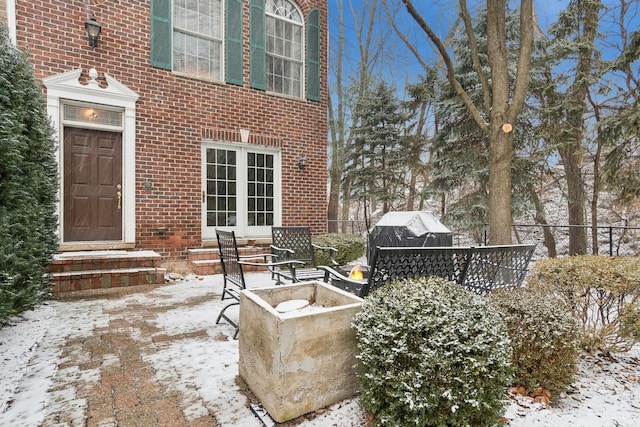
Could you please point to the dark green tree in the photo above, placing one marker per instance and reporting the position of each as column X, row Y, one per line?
column 28, row 185
column 572, row 69
column 376, row 166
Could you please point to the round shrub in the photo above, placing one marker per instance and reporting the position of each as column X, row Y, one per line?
column 544, row 338
column 603, row 293
column 350, row 247
column 431, row 353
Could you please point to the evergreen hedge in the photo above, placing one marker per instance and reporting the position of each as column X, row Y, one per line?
column 350, row 247
column 28, row 185
column 544, row 338
column 432, row 354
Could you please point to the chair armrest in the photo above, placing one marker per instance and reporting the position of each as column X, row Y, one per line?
column 330, row 273
column 287, row 250
column 289, row 263
column 265, row 256
column 331, row 251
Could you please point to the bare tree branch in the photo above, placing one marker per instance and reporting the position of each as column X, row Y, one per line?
column 475, row 56
column 524, row 60
column 450, row 70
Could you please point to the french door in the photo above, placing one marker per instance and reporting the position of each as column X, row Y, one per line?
column 241, row 189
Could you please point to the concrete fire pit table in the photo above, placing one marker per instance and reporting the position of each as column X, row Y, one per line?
column 297, row 348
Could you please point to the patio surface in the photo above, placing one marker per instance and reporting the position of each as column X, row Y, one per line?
column 143, row 356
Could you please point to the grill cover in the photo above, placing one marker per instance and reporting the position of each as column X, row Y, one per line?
column 408, row 229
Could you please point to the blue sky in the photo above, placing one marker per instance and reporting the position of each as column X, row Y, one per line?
column 438, row 13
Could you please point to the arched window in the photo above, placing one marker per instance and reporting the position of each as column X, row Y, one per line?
column 284, row 47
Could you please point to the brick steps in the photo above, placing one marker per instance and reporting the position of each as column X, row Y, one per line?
column 85, row 270
column 204, row 261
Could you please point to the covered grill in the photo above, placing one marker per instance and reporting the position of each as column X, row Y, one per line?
column 408, row 229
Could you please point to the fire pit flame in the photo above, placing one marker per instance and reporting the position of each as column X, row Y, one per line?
column 356, row 273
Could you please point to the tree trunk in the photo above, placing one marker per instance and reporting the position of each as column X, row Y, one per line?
column 549, row 240
column 345, row 209
column 576, row 200
column 499, row 216
column 500, row 138
column 335, row 175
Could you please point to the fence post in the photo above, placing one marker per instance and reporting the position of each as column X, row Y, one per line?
column 610, row 241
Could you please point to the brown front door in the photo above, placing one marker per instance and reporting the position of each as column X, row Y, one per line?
column 92, row 185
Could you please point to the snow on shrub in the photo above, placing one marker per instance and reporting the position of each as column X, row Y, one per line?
column 431, row 353
column 602, row 292
column 544, row 338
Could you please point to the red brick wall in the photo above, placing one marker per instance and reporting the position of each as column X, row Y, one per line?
column 3, row 13
column 175, row 112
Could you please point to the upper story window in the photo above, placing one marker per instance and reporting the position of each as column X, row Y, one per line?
column 284, row 48
column 206, row 39
column 198, row 37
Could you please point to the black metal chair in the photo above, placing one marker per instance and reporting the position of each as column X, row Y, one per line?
column 479, row 269
column 233, row 274
column 294, row 243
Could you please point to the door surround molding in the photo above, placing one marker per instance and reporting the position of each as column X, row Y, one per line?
column 67, row 87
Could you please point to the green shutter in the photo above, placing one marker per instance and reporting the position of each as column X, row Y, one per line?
column 233, row 51
column 161, row 34
column 257, row 36
column 313, row 55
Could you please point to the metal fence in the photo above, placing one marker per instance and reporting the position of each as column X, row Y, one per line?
column 612, row 240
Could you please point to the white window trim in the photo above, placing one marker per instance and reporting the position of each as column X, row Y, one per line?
column 66, row 87
column 11, row 20
column 242, row 229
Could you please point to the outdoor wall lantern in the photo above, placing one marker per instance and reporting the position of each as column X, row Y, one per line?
column 93, row 28
column 302, row 163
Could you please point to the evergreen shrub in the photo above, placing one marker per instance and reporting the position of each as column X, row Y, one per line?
column 431, row 354
column 28, row 185
column 350, row 247
column 544, row 338
column 603, row 293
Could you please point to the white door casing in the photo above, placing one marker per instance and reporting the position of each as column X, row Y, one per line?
column 67, row 87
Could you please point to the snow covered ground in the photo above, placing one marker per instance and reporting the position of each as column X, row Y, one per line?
column 202, row 367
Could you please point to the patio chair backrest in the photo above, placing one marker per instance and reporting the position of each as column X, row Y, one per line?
column 494, row 267
column 231, row 268
column 297, row 239
column 479, row 269
column 409, row 262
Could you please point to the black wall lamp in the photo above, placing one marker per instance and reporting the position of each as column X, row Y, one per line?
column 93, row 28
column 302, row 163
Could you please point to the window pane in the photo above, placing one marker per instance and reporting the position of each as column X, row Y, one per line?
column 197, row 40
column 88, row 114
column 260, row 204
column 284, row 48
column 221, row 187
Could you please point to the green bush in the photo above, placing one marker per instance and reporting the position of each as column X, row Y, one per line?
column 431, row 353
column 603, row 294
column 544, row 338
column 28, row 185
column 350, row 247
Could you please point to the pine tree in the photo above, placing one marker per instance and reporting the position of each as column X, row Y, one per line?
column 377, row 161
column 28, row 185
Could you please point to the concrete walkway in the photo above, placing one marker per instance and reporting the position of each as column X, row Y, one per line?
column 140, row 356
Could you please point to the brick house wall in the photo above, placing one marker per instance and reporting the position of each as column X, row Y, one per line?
column 174, row 113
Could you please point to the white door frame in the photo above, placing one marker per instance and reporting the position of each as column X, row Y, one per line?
column 242, row 229
column 67, row 87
